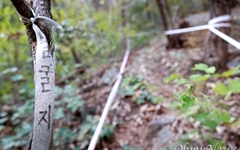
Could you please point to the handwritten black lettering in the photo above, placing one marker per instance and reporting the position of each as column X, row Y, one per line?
column 45, row 79
column 46, row 53
column 46, row 70
column 44, row 84
column 43, row 118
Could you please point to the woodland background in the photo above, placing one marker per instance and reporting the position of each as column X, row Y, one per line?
column 165, row 98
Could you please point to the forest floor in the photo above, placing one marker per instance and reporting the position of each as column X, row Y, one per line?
column 153, row 64
column 157, row 126
column 144, row 114
column 154, row 126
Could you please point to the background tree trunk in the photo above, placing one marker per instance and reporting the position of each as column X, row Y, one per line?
column 149, row 15
column 216, row 49
column 166, row 6
column 173, row 41
column 162, row 14
column 164, row 22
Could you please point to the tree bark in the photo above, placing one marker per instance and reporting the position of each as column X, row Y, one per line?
column 164, row 21
column 123, row 13
column 41, row 8
column 39, row 36
column 163, row 17
column 149, row 15
column 169, row 13
column 173, row 41
column 75, row 56
column 216, row 49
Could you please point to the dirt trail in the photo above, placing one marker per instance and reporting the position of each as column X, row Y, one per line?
column 153, row 64
column 150, row 126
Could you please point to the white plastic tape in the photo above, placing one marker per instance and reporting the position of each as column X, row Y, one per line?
column 110, row 99
column 225, row 37
column 219, row 19
column 212, row 24
column 197, row 28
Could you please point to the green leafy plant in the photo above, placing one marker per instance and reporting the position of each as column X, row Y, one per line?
column 21, row 130
column 135, row 87
column 63, row 137
column 69, row 98
column 203, row 68
column 69, row 101
column 202, row 108
column 20, row 139
column 88, row 128
column 232, row 87
column 206, row 110
column 126, row 147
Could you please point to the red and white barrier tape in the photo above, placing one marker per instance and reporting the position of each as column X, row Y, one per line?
column 212, row 24
column 110, row 99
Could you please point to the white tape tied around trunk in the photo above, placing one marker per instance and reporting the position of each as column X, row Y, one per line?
column 212, row 25
column 44, row 80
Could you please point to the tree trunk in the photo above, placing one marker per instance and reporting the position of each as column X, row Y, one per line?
column 162, row 14
column 123, row 13
column 168, row 12
column 216, row 49
column 43, row 53
column 75, row 56
column 149, row 15
column 164, row 22
column 173, row 41
column 61, row 57
column 76, row 59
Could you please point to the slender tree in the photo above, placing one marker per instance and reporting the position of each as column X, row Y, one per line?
column 36, row 16
column 173, row 41
column 216, row 49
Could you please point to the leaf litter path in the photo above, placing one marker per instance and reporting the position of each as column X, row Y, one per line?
column 149, row 126
column 137, row 125
column 142, row 122
column 153, row 126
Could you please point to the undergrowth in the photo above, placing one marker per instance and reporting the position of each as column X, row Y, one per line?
column 209, row 111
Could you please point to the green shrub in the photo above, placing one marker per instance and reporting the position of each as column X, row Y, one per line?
column 135, row 87
column 205, row 109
